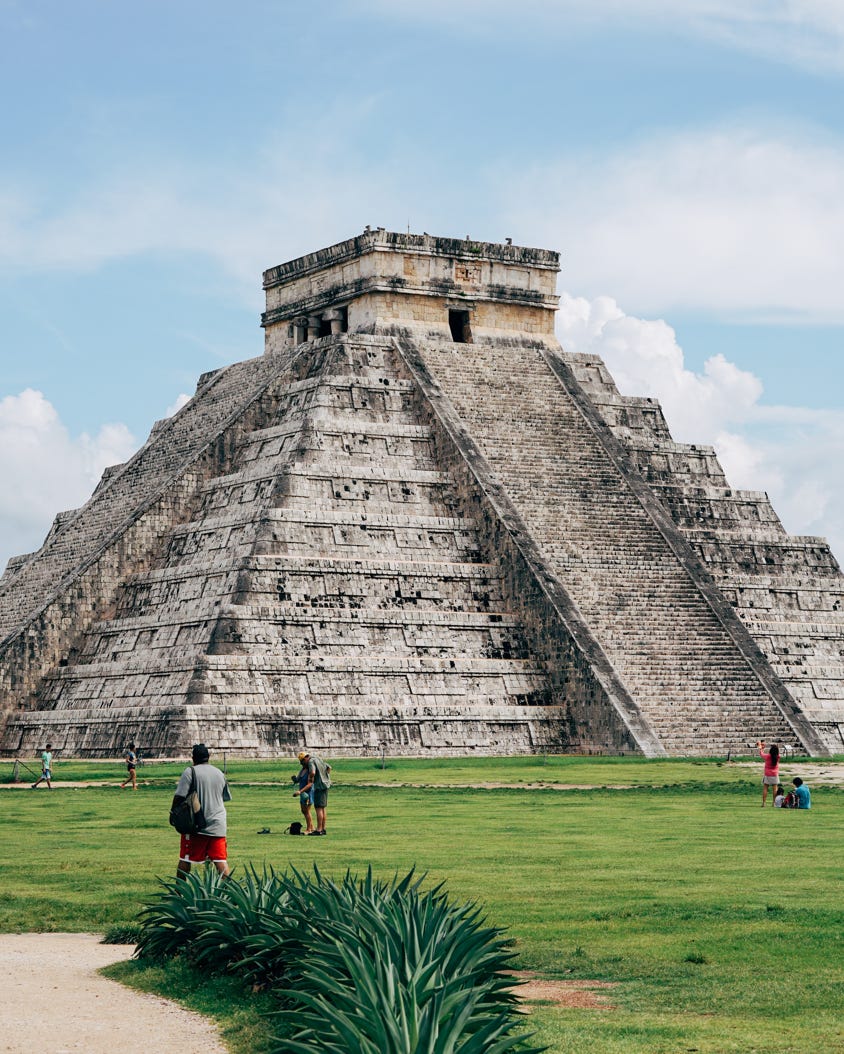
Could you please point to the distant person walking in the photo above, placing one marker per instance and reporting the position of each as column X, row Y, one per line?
column 771, row 777
column 802, row 794
column 131, row 757
column 319, row 777
column 303, row 779
column 209, row 843
column 46, row 768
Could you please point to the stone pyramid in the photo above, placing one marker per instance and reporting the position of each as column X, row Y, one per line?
column 416, row 524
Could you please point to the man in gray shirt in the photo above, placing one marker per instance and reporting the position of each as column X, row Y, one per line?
column 210, row 842
column 320, row 779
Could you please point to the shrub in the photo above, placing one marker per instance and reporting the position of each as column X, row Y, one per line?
column 390, row 969
column 363, row 964
column 175, row 919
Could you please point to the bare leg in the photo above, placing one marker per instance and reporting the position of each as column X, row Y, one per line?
column 183, row 869
column 764, row 794
column 320, row 818
column 306, row 812
column 223, row 867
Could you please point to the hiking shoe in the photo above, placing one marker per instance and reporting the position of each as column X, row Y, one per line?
column 314, row 832
column 265, row 830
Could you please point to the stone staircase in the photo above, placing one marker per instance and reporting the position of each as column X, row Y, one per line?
column 787, row 590
column 306, row 555
column 326, row 589
column 126, row 490
column 670, row 649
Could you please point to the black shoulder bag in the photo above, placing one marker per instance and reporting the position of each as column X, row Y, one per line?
column 187, row 816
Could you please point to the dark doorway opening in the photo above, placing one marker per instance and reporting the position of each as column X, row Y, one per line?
column 458, row 323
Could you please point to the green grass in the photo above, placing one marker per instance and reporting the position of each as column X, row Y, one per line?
column 601, row 771
column 719, row 924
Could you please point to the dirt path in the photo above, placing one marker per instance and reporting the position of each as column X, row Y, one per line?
column 54, row 1000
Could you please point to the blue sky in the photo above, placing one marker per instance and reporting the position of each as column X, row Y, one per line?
column 685, row 156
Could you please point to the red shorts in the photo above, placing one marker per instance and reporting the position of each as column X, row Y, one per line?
column 198, row 847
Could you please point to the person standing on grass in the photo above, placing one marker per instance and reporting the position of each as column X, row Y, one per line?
column 771, row 777
column 801, row 793
column 210, row 842
column 131, row 757
column 319, row 779
column 303, row 779
column 46, row 768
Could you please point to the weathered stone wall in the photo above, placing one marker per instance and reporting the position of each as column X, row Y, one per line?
column 669, row 637
column 323, row 584
column 48, row 606
column 599, row 714
column 443, row 535
column 788, row 591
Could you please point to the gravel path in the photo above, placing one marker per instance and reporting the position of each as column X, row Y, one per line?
column 55, row 1001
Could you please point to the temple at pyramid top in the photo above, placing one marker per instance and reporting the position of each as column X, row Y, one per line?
column 418, row 524
column 461, row 290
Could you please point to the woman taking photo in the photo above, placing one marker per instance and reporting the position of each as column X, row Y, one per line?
column 772, row 768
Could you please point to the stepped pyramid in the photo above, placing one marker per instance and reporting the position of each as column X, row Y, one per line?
column 416, row 524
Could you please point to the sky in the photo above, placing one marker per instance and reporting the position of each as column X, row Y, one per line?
column 686, row 157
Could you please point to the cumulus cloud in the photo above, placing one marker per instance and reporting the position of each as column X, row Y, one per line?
column 45, row 470
column 731, row 220
column 795, row 454
column 181, row 400
column 734, row 221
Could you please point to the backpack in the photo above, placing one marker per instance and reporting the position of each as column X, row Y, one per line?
column 294, row 828
column 187, row 816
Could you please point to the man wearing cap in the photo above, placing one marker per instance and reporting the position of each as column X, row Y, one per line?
column 210, row 842
column 302, row 779
column 319, row 779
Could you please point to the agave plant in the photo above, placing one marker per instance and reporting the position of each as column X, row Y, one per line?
column 359, row 965
column 255, row 931
column 392, row 970
column 371, row 1011
column 173, row 920
column 220, row 924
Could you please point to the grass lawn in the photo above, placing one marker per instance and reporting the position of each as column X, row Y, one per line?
column 718, row 924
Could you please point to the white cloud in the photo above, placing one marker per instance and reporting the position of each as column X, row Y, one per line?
column 45, row 470
column 804, row 33
column 731, row 221
column 245, row 215
column 795, row 454
column 181, row 400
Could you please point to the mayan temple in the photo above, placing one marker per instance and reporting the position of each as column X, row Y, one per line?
column 415, row 523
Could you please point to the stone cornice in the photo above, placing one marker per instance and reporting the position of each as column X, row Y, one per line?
column 381, row 240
